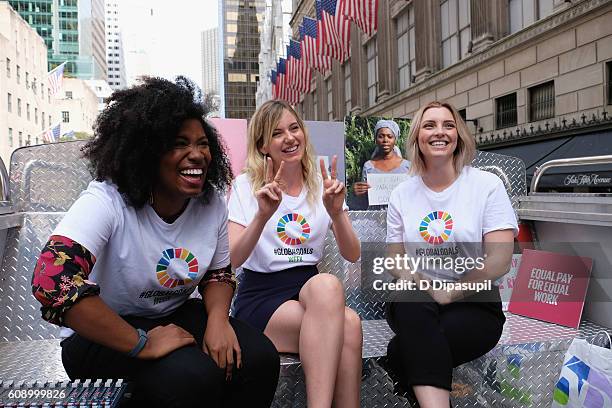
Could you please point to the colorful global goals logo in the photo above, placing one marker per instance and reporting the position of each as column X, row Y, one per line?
column 168, row 281
column 436, row 227
column 293, row 229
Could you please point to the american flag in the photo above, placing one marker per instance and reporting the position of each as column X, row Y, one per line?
column 364, row 13
column 300, row 75
column 290, row 76
column 336, row 29
column 52, row 134
column 310, row 46
column 55, row 79
column 285, row 92
column 281, row 69
column 273, row 80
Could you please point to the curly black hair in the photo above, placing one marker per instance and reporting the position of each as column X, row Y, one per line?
column 139, row 125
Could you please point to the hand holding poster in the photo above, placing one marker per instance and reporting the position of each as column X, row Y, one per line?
column 381, row 186
column 506, row 282
column 551, row 287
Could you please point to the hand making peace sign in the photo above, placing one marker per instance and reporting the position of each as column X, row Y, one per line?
column 270, row 195
column 333, row 189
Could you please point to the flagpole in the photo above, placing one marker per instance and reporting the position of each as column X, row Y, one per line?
column 54, row 69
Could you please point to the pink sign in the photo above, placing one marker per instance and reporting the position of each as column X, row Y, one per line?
column 551, row 287
column 234, row 134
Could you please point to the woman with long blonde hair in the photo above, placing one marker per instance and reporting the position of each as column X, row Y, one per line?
column 280, row 210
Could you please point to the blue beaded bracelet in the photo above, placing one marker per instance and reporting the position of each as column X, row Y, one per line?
column 142, row 341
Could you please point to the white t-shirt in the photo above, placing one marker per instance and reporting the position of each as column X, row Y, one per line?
column 448, row 223
column 294, row 235
column 144, row 266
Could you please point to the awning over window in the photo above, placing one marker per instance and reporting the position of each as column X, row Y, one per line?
column 593, row 144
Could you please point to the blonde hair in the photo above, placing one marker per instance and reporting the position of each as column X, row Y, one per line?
column 261, row 127
column 464, row 152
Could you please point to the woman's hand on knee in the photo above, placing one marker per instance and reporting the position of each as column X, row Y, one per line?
column 220, row 343
column 163, row 340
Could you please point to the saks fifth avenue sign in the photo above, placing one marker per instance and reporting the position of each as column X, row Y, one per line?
column 586, row 180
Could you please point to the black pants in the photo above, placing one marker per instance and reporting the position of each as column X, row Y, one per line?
column 187, row 377
column 431, row 339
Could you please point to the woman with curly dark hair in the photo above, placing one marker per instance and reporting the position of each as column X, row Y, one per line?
column 121, row 266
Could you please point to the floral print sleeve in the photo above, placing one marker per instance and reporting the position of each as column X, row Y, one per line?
column 60, row 277
column 219, row 275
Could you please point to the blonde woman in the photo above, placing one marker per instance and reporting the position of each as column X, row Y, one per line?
column 446, row 207
column 279, row 213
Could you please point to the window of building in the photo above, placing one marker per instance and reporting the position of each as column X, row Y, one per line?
column 27, row 78
column 609, row 79
column 236, row 77
column 36, row 116
column 8, row 67
column 456, row 33
column 18, row 74
column 372, row 64
column 68, row 94
column 65, row 116
column 10, row 137
column 42, row 120
column 463, row 114
column 330, row 99
column 405, row 48
column 9, row 102
column 522, row 13
column 542, row 101
column 505, row 111
column 49, row 120
column 347, row 88
column 20, row 139
column 28, row 140
column 18, row 106
column 28, row 111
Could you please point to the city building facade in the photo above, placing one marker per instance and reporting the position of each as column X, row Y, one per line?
column 114, row 45
column 275, row 35
column 25, row 102
column 519, row 71
column 241, row 24
column 73, row 31
column 102, row 89
column 76, row 107
column 211, row 70
column 210, row 61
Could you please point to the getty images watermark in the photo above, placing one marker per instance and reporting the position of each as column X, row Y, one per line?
column 408, row 273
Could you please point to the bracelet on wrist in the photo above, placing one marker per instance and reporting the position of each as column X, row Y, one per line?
column 142, row 341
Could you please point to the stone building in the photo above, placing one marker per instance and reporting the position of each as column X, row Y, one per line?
column 25, row 102
column 520, row 71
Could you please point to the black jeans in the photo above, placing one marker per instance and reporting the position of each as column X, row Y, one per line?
column 187, row 377
column 431, row 339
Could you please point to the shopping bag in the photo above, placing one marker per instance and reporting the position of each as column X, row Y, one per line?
column 519, row 376
column 586, row 377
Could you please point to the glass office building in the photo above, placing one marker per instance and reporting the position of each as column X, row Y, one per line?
column 242, row 23
column 57, row 22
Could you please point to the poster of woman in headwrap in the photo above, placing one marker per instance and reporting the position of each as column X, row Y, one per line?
column 374, row 159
